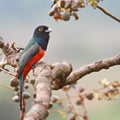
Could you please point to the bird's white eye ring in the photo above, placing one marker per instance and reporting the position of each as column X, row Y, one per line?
column 41, row 29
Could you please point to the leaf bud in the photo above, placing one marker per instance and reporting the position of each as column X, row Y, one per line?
column 66, row 16
column 78, row 102
column 14, row 82
column 15, row 98
column 16, row 88
column 32, row 81
column 26, row 85
column 89, row 95
column 26, row 95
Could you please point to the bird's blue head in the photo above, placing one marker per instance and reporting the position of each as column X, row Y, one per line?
column 41, row 36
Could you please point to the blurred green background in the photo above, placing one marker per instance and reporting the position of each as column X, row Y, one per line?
column 93, row 37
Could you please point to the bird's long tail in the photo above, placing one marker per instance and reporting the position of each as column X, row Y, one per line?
column 21, row 85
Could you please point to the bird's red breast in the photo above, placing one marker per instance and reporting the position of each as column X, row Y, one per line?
column 32, row 61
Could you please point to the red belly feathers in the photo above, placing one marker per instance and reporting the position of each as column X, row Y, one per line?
column 32, row 61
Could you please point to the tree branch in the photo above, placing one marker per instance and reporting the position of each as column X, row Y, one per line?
column 53, row 76
column 39, row 108
column 107, row 13
column 93, row 67
column 64, row 9
column 11, row 54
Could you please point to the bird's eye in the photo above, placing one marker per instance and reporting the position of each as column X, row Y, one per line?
column 41, row 29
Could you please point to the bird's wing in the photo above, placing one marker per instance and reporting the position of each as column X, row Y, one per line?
column 28, row 53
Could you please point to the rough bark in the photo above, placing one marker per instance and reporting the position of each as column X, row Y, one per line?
column 50, row 77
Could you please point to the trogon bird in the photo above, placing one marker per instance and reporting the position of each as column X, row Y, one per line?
column 32, row 53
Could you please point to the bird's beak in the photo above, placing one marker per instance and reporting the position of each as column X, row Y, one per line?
column 49, row 30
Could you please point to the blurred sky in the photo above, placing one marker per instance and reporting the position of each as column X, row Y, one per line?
column 94, row 34
column 93, row 37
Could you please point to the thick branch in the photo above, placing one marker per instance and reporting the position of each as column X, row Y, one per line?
column 60, row 70
column 45, row 76
column 107, row 13
column 94, row 67
column 39, row 108
column 54, row 76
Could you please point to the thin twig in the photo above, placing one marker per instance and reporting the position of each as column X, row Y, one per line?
column 82, row 99
column 107, row 13
column 8, row 72
column 70, row 102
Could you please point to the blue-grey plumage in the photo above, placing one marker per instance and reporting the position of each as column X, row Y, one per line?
column 32, row 53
